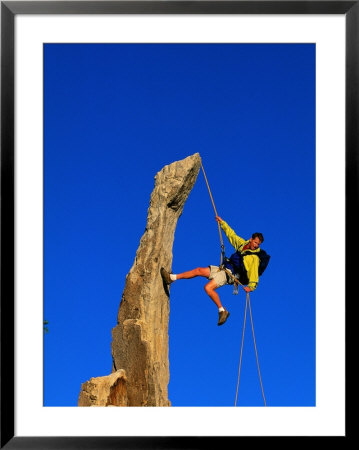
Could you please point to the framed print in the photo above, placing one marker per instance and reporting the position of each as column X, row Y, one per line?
column 136, row 138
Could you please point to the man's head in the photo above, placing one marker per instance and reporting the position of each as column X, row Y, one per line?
column 255, row 241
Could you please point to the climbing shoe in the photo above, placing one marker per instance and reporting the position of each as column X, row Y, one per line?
column 223, row 316
column 165, row 276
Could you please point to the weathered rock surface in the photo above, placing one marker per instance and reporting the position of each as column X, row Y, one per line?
column 105, row 391
column 140, row 338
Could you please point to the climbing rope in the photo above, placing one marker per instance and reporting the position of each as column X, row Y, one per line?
column 248, row 301
column 215, row 211
column 240, row 358
column 255, row 347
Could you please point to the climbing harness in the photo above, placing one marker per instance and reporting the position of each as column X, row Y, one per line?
column 236, row 283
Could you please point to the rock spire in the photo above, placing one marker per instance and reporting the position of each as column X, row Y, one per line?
column 140, row 372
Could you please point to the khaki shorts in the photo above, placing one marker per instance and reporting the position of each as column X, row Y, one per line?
column 219, row 276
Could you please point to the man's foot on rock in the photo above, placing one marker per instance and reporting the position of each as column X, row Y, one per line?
column 223, row 316
column 165, row 276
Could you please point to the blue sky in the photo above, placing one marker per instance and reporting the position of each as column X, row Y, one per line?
column 114, row 115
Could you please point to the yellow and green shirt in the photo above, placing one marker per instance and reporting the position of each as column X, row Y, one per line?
column 251, row 262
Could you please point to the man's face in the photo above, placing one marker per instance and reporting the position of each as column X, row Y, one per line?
column 254, row 243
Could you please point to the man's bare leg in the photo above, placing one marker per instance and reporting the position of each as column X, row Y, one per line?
column 199, row 272
column 210, row 287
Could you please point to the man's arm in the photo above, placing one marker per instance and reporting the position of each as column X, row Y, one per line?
column 233, row 238
column 251, row 263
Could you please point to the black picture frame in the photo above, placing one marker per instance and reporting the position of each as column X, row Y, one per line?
column 9, row 9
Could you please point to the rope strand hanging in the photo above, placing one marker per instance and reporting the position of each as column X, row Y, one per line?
column 248, row 303
column 240, row 357
column 255, row 347
column 215, row 211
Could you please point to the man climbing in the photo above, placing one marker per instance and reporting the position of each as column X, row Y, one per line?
column 243, row 264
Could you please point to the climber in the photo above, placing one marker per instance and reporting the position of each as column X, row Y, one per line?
column 243, row 264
